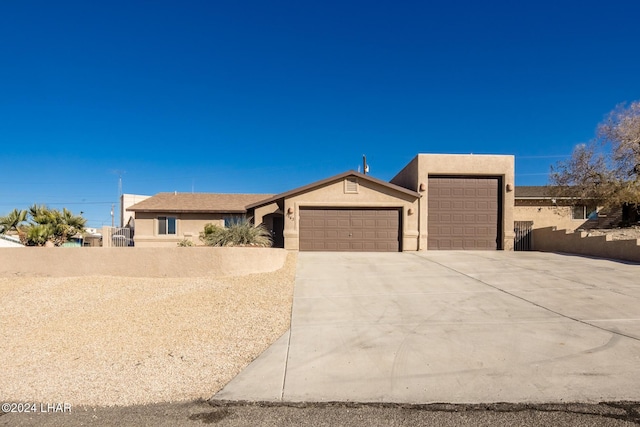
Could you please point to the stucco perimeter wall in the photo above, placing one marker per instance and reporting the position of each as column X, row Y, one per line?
column 549, row 239
column 139, row 262
column 548, row 216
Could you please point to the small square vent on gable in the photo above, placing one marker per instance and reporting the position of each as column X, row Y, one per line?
column 351, row 185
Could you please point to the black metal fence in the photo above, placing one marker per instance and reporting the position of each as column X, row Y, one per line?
column 523, row 230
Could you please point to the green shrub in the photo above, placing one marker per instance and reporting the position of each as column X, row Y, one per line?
column 185, row 243
column 240, row 232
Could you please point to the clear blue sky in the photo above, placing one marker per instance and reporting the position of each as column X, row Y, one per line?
column 264, row 96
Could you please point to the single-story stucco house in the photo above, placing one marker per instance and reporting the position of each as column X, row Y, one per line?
column 538, row 205
column 437, row 201
column 168, row 218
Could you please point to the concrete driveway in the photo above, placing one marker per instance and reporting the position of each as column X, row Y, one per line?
column 456, row 327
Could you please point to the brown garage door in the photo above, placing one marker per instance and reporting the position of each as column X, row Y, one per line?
column 358, row 230
column 464, row 213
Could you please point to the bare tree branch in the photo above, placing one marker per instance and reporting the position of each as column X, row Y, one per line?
column 607, row 170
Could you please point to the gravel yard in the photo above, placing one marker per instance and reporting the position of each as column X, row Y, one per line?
column 121, row 341
column 629, row 233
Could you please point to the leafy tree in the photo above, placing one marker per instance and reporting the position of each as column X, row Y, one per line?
column 607, row 169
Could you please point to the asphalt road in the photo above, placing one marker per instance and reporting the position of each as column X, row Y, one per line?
column 232, row 414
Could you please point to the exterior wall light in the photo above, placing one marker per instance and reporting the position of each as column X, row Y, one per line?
column 509, row 188
column 410, row 211
column 422, row 187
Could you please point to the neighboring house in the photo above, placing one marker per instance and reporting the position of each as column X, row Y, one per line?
column 537, row 205
column 167, row 218
column 92, row 237
column 438, row 201
column 127, row 218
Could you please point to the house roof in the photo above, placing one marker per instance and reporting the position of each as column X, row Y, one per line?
column 198, row 202
column 533, row 192
column 329, row 180
column 540, row 192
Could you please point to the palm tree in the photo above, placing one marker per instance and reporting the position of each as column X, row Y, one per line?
column 68, row 224
column 41, row 214
column 38, row 234
column 52, row 225
column 12, row 221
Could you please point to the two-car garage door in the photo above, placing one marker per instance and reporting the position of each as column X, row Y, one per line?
column 352, row 229
column 463, row 213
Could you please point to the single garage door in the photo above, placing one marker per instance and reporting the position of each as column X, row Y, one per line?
column 358, row 230
column 464, row 213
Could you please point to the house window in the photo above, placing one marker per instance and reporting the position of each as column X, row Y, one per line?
column 230, row 220
column 166, row 225
column 583, row 212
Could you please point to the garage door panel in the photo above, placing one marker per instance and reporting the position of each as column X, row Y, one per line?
column 463, row 213
column 349, row 229
column 306, row 222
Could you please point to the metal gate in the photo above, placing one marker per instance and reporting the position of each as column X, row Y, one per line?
column 523, row 231
column 120, row 237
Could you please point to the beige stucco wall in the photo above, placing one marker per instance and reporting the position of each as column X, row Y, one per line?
column 126, row 201
column 548, row 216
column 369, row 195
column 262, row 215
column 423, row 165
column 407, row 177
column 550, row 240
column 139, row 262
column 188, row 226
column 262, row 211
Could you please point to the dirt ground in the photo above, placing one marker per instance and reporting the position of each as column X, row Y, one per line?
column 629, row 233
column 122, row 341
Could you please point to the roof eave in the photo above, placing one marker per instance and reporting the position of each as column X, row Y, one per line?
column 220, row 211
column 329, row 180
